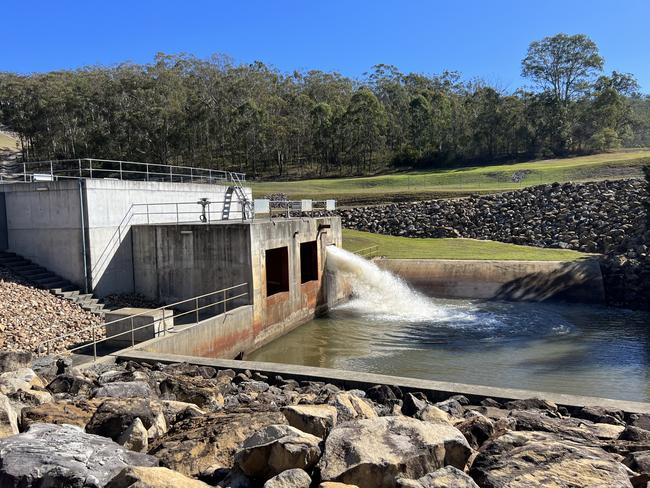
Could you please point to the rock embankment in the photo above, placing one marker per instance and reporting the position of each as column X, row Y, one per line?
column 29, row 316
column 607, row 217
column 141, row 425
column 594, row 217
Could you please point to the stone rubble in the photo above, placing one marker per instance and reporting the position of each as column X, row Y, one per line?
column 277, row 432
column 29, row 316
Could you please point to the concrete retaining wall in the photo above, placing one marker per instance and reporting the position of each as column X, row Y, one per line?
column 579, row 281
column 45, row 221
column 44, row 225
column 111, row 216
column 224, row 335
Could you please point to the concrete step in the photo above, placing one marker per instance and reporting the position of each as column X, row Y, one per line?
column 70, row 294
column 11, row 262
column 65, row 291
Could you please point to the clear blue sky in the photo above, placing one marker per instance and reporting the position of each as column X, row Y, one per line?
column 479, row 38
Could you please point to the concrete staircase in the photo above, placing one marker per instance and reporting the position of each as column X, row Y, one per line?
column 43, row 278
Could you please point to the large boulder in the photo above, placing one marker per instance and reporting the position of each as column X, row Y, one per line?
column 115, row 415
column 14, row 360
column 64, row 412
column 291, row 478
column 141, row 477
column 197, row 444
column 349, row 407
column 277, row 448
column 192, row 389
column 125, row 389
column 447, row 477
column 525, row 459
column 8, row 418
column 313, row 419
column 375, row 452
column 21, row 379
column 63, row 455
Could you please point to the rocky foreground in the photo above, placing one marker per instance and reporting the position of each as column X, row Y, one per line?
column 139, row 425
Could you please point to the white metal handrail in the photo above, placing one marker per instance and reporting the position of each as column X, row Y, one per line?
column 45, row 347
column 122, row 170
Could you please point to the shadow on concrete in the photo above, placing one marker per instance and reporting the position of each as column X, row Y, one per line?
column 572, row 281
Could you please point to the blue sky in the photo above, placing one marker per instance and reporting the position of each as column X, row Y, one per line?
column 484, row 39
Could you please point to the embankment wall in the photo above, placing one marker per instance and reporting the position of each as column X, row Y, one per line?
column 579, row 281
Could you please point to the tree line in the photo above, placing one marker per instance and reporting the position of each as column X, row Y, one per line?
column 213, row 112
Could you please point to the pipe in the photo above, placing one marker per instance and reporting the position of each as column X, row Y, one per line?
column 83, row 234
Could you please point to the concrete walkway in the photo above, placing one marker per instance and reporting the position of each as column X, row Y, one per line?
column 435, row 390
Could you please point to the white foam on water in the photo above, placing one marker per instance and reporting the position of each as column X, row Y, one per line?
column 380, row 295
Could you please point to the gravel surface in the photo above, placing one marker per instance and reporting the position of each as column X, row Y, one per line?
column 29, row 316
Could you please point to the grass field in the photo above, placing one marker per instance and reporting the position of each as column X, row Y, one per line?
column 463, row 181
column 412, row 248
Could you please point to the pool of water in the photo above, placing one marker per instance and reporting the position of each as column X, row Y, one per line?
column 575, row 349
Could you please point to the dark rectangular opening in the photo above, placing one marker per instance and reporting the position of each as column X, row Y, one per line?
column 308, row 261
column 277, row 270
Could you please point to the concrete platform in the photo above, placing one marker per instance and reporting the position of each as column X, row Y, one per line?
column 435, row 390
column 150, row 324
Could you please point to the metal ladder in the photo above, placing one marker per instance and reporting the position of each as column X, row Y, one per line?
column 246, row 204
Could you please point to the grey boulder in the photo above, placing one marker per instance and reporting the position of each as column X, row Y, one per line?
column 375, row 452
column 50, row 455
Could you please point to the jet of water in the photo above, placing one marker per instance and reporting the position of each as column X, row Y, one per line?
column 379, row 294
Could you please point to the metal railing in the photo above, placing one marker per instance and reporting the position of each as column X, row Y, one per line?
column 221, row 296
column 162, row 213
column 368, row 252
column 120, row 170
column 289, row 208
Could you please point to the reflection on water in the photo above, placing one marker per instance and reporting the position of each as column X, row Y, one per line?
column 583, row 350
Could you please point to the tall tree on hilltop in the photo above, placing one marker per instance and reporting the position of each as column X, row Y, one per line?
column 564, row 67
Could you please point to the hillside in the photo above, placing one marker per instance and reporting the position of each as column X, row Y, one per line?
column 463, row 181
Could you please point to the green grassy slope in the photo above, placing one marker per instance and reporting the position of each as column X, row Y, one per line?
column 412, row 248
column 7, row 142
column 462, row 181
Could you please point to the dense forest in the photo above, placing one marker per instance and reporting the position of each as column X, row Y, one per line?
column 216, row 113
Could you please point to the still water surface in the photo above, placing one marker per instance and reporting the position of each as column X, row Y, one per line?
column 576, row 349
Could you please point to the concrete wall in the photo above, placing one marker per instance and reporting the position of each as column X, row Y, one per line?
column 275, row 315
column 579, row 281
column 4, row 236
column 44, row 225
column 173, row 263
column 44, row 222
column 224, row 335
column 111, row 215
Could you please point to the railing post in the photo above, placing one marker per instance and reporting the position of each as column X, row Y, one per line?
column 52, row 170
column 132, row 333
column 225, row 302
column 121, row 175
column 164, row 310
column 196, row 306
column 24, row 172
column 80, row 170
column 90, row 167
column 147, row 171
